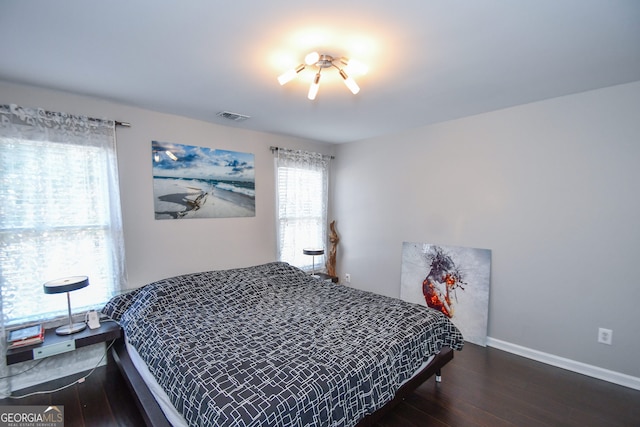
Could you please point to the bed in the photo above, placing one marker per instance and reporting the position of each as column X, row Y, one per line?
column 270, row 345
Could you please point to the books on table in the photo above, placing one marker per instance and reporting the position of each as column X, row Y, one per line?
column 30, row 335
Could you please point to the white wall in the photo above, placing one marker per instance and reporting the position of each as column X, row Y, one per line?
column 552, row 188
column 157, row 249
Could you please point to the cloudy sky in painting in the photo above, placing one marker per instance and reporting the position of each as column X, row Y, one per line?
column 201, row 162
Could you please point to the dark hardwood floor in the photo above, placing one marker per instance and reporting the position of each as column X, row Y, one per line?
column 102, row 400
column 489, row 387
column 480, row 387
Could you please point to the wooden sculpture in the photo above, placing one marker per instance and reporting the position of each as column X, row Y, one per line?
column 334, row 239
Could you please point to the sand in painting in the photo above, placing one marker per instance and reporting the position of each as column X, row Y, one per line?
column 180, row 198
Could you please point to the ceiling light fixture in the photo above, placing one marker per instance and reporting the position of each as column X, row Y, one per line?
column 314, row 59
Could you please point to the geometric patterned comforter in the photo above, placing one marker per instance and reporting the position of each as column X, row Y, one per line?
column 271, row 346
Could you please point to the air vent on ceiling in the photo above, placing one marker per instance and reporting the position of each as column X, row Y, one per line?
column 233, row 116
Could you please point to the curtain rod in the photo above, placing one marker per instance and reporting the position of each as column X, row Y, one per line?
column 115, row 122
column 274, row 149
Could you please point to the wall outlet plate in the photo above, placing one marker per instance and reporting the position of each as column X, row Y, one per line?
column 605, row 336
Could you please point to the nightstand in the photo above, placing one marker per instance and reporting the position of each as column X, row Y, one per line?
column 325, row 276
column 56, row 344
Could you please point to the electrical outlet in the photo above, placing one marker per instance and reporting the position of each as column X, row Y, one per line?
column 347, row 277
column 605, row 336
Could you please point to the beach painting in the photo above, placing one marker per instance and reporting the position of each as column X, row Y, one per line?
column 453, row 280
column 201, row 182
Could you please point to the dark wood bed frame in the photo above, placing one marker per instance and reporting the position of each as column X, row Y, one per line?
column 154, row 417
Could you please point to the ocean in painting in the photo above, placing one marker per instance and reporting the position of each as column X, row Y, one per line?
column 198, row 182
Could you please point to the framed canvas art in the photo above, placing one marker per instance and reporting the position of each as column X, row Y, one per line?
column 200, row 182
column 453, row 280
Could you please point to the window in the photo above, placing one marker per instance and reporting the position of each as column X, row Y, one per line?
column 60, row 212
column 302, row 194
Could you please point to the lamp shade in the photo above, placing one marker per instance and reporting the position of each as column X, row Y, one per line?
column 313, row 251
column 315, row 86
column 66, row 284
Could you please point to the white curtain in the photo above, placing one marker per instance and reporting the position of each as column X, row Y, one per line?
column 302, row 194
column 60, row 212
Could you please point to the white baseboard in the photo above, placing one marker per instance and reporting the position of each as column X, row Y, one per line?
column 568, row 364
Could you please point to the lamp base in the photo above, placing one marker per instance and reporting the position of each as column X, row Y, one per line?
column 71, row 329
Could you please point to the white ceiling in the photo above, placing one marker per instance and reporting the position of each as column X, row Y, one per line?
column 430, row 60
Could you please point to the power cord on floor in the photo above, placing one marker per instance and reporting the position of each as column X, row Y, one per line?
column 78, row 381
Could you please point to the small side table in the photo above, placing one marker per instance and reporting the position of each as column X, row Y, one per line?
column 325, row 276
column 56, row 344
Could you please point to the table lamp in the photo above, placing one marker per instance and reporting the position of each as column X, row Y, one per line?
column 67, row 284
column 313, row 252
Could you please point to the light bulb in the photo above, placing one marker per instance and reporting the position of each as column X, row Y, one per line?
column 353, row 66
column 351, row 84
column 313, row 89
column 289, row 75
column 311, row 58
column 357, row 67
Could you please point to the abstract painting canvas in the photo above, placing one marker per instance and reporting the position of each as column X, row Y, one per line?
column 453, row 280
column 200, row 182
